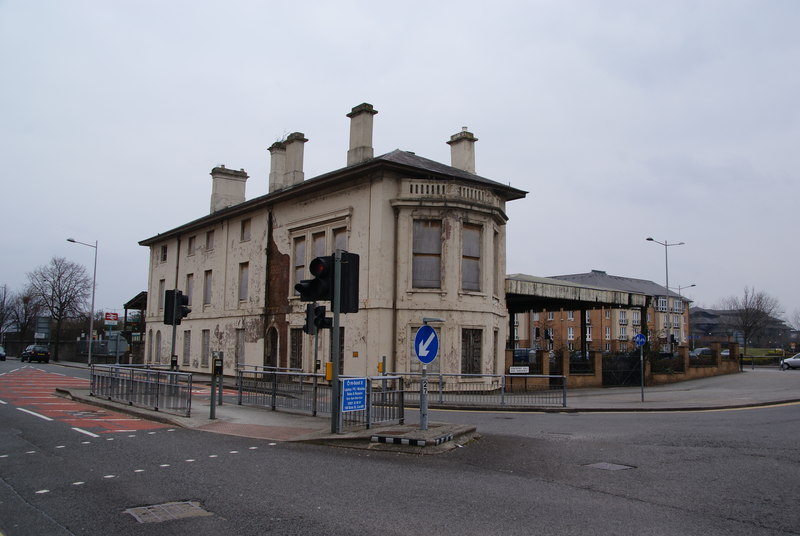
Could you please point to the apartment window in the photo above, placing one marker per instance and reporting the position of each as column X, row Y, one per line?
column 570, row 334
column 495, row 275
column 427, row 254
column 187, row 347
column 163, row 255
column 244, row 230
column 608, row 333
column 623, row 317
column 471, row 257
column 608, row 314
column 588, row 317
column 239, row 350
column 299, row 259
column 190, row 246
column 205, row 347
column 662, row 303
column 207, row 281
column 471, row 346
column 588, row 333
column 636, row 318
column 535, row 317
column 623, row 333
column 189, row 288
column 296, row 348
column 550, row 315
column 162, row 288
column 210, row 240
column 158, row 346
column 570, row 315
column 244, row 276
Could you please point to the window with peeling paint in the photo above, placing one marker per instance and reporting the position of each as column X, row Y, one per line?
column 471, row 347
column 210, row 240
column 205, row 347
column 207, row 287
column 189, row 288
column 299, row 260
column 296, row 348
column 244, row 234
column 190, row 246
column 187, row 346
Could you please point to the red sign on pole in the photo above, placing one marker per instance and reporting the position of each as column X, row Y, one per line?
column 111, row 319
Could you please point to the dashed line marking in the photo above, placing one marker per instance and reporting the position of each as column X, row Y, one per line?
column 81, row 430
column 41, row 491
column 35, row 414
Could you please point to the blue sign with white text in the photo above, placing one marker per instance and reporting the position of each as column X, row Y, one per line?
column 354, row 394
column 426, row 344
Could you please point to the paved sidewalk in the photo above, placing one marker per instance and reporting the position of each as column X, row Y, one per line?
column 762, row 386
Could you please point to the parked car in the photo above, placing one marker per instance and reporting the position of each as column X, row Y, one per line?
column 2, row 354
column 701, row 352
column 35, row 352
column 791, row 362
column 725, row 353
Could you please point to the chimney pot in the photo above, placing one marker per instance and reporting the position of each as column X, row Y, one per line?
column 361, row 119
column 462, row 150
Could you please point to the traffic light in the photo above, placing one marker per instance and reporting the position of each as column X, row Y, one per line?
column 310, row 327
column 181, row 306
column 321, row 287
column 320, row 322
column 175, row 307
column 169, row 307
column 348, row 292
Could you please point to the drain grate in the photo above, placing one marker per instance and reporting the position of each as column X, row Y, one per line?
column 609, row 466
column 158, row 513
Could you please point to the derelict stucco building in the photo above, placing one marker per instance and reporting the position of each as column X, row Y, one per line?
column 431, row 240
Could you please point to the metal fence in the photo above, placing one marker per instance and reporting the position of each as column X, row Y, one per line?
column 159, row 390
column 488, row 390
column 311, row 394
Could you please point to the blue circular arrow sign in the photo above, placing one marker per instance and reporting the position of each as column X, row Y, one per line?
column 640, row 339
column 426, row 344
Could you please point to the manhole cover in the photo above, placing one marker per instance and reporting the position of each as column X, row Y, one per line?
column 609, row 466
column 167, row 511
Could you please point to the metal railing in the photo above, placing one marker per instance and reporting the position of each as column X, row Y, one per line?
column 311, row 394
column 159, row 390
column 488, row 390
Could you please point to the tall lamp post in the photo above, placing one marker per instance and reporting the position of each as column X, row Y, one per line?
column 94, row 286
column 681, row 287
column 667, row 245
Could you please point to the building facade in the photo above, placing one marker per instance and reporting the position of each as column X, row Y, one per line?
column 431, row 241
column 665, row 319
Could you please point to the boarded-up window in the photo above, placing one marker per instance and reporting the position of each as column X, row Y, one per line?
column 471, row 258
column 207, row 286
column 189, row 288
column 239, row 347
column 244, row 277
column 162, row 286
column 340, row 238
column 205, row 347
column 210, row 240
column 299, row 259
column 471, row 343
column 318, row 244
column 427, row 260
column 244, row 234
column 187, row 346
column 190, row 247
column 296, row 350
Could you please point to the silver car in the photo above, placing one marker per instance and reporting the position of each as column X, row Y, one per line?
column 791, row 362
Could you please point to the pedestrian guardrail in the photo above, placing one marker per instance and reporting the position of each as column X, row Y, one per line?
column 488, row 390
column 159, row 390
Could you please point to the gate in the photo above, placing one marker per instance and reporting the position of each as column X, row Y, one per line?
column 621, row 370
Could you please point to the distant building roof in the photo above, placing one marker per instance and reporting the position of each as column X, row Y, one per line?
column 599, row 278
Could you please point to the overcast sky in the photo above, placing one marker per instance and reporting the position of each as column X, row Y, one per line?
column 622, row 119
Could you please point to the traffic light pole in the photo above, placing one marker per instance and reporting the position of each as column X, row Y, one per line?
column 335, row 350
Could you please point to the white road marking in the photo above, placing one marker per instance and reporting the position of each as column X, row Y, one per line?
column 90, row 434
column 3, row 402
column 42, row 491
column 35, row 414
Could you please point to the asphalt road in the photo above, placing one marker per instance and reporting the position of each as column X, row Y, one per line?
column 716, row 472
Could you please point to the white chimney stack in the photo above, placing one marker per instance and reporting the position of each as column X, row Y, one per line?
column 360, row 134
column 294, row 159
column 277, row 166
column 462, row 150
column 227, row 187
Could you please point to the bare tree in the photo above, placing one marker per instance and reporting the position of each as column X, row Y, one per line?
column 5, row 310
column 794, row 320
column 63, row 288
column 24, row 308
column 751, row 314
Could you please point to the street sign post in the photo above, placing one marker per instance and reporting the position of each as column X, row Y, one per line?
column 640, row 341
column 426, row 346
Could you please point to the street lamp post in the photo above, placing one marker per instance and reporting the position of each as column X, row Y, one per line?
column 667, row 245
column 681, row 287
column 94, row 287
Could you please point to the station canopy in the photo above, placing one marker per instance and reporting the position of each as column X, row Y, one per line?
column 531, row 293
